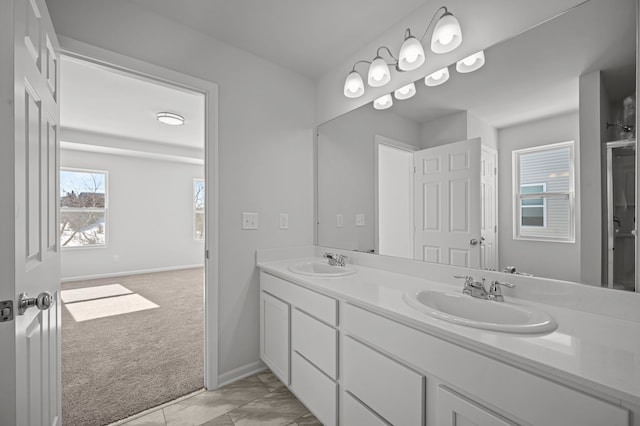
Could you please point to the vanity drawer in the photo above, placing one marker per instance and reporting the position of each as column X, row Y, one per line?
column 315, row 304
column 390, row 389
column 316, row 341
column 357, row 414
column 317, row 392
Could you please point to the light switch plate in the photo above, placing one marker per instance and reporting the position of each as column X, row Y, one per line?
column 339, row 221
column 249, row 220
column 360, row 219
column 284, row 221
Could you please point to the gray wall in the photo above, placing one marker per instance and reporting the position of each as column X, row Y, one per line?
column 266, row 120
column 545, row 259
column 346, row 172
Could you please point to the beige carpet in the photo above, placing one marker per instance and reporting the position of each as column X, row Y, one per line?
column 121, row 364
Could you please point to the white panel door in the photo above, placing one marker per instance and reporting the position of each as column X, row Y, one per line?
column 489, row 202
column 30, row 345
column 448, row 208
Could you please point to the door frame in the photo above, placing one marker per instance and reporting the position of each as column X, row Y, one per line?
column 393, row 143
column 93, row 54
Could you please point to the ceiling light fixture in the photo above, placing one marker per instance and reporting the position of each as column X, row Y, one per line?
column 383, row 102
column 437, row 78
column 446, row 36
column 405, row 92
column 170, row 118
column 471, row 62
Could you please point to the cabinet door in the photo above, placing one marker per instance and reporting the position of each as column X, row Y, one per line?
column 454, row 410
column 274, row 335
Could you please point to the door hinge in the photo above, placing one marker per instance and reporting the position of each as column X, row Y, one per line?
column 6, row 310
column 206, row 254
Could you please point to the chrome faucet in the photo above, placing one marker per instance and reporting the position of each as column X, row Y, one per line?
column 336, row 259
column 495, row 291
column 477, row 288
column 473, row 288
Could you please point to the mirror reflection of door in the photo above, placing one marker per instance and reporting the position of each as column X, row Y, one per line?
column 448, row 204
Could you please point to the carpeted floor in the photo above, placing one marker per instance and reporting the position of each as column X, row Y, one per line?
column 116, row 366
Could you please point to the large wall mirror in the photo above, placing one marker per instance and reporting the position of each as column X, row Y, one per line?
column 528, row 162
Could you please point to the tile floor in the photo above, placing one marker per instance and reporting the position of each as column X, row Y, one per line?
column 260, row 399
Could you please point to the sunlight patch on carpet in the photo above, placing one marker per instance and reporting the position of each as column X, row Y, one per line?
column 95, row 292
column 100, row 308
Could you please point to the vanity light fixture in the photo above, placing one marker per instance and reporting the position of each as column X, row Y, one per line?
column 446, row 36
column 437, row 78
column 405, row 92
column 170, row 118
column 383, row 102
column 471, row 62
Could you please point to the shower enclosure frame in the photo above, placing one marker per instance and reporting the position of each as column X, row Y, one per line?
column 610, row 146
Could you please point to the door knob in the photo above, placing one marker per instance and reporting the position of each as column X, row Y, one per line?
column 473, row 242
column 42, row 302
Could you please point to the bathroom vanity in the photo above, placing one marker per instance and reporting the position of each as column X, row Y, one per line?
column 356, row 353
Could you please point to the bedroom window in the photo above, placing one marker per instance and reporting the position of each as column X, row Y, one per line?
column 543, row 193
column 83, row 208
column 198, row 209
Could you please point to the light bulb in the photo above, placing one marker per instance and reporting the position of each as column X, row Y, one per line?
column 411, row 54
column 447, row 34
column 383, row 102
column 379, row 74
column 437, row 78
column 471, row 62
column 353, row 85
column 405, row 92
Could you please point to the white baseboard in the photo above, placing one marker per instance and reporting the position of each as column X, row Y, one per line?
column 240, row 373
column 123, row 273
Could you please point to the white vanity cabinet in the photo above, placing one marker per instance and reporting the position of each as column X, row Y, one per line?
column 274, row 335
column 311, row 344
column 369, row 369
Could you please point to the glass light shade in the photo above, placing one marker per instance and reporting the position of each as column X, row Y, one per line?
column 471, row 62
column 411, row 54
column 170, row 118
column 405, row 92
column 437, row 78
column 383, row 102
column 379, row 74
column 447, row 34
column 353, row 85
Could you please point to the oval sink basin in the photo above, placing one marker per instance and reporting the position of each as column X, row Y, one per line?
column 462, row 309
column 321, row 269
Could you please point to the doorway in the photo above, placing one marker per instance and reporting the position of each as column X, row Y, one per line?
column 134, row 244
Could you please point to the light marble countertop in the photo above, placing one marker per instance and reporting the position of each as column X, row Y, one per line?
column 596, row 353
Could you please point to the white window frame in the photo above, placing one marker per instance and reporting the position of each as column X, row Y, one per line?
column 195, row 210
column 78, row 210
column 517, row 196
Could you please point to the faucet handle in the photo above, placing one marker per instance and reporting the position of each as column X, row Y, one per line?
column 495, row 293
column 464, row 277
column 504, row 283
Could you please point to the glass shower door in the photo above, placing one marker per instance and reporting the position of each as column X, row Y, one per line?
column 621, row 206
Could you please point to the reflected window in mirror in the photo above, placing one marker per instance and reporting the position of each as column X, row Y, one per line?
column 544, row 193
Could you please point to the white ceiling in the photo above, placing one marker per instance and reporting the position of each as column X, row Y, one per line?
column 535, row 74
column 102, row 100
column 308, row 37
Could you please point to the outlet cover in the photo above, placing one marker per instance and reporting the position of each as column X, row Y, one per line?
column 284, row 221
column 339, row 220
column 249, row 220
column 360, row 219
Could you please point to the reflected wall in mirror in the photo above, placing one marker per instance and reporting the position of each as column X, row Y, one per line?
column 509, row 166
